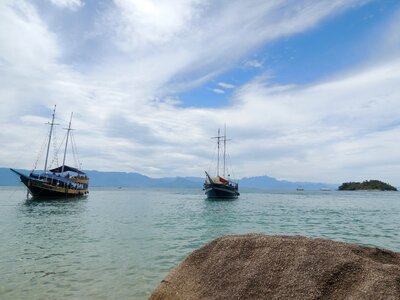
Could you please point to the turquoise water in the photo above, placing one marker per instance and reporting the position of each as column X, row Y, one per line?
column 119, row 244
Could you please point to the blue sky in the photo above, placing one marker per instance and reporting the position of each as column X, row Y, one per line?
column 336, row 44
column 309, row 90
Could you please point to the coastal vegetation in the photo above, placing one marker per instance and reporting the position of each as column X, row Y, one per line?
column 370, row 185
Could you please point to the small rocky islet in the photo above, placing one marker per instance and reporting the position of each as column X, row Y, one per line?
column 367, row 185
column 256, row 266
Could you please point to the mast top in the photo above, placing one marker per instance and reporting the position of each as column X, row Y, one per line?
column 53, row 116
column 70, row 122
column 66, row 142
column 50, row 134
column 223, row 139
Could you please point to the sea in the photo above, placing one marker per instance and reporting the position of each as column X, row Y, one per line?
column 120, row 243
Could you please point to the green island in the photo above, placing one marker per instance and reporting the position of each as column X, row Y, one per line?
column 370, row 185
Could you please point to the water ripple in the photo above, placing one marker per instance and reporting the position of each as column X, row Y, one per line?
column 121, row 243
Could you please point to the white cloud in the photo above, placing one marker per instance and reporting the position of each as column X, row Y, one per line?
column 143, row 23
column 218, row 91
column 389, row 42
column 127, row 121
column 226, row 85
column 253, row 64
column 70, row 4
column 196, row 38
column 322, row 132
column 28, row 54
column 19, row 19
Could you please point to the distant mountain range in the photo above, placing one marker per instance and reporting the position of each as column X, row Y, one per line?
column 136, row 180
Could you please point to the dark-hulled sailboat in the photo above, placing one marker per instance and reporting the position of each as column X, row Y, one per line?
column 60, row 182
column 220, row 187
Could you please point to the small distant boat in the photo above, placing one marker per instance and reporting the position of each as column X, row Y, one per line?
column 220, row 187
column 60, row 182
column 300, row 189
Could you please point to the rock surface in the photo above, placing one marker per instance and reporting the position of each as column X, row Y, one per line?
column 255, row 266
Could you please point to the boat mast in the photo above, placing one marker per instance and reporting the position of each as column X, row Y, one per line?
column 66, row 143
column 225, row 140
column 218, row 142
column 50, row 134
column 224, row 150
column 218, row 139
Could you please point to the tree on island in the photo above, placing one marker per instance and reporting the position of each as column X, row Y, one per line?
column 375, row 185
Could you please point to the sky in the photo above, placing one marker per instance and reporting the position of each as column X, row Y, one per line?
column 308, row 90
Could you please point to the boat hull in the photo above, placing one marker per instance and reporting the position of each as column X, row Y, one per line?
column 220, row 191
column 40, row 189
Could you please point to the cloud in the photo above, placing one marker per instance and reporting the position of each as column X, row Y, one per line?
column 226, row 85
column 70, row 4
column 145, row 52
column 322, row 132
column 253, row 64
column 143, row 23
column 186, row 41
column 29, row 53
column 218, row 91
column 388, row 42
column 223, row 86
